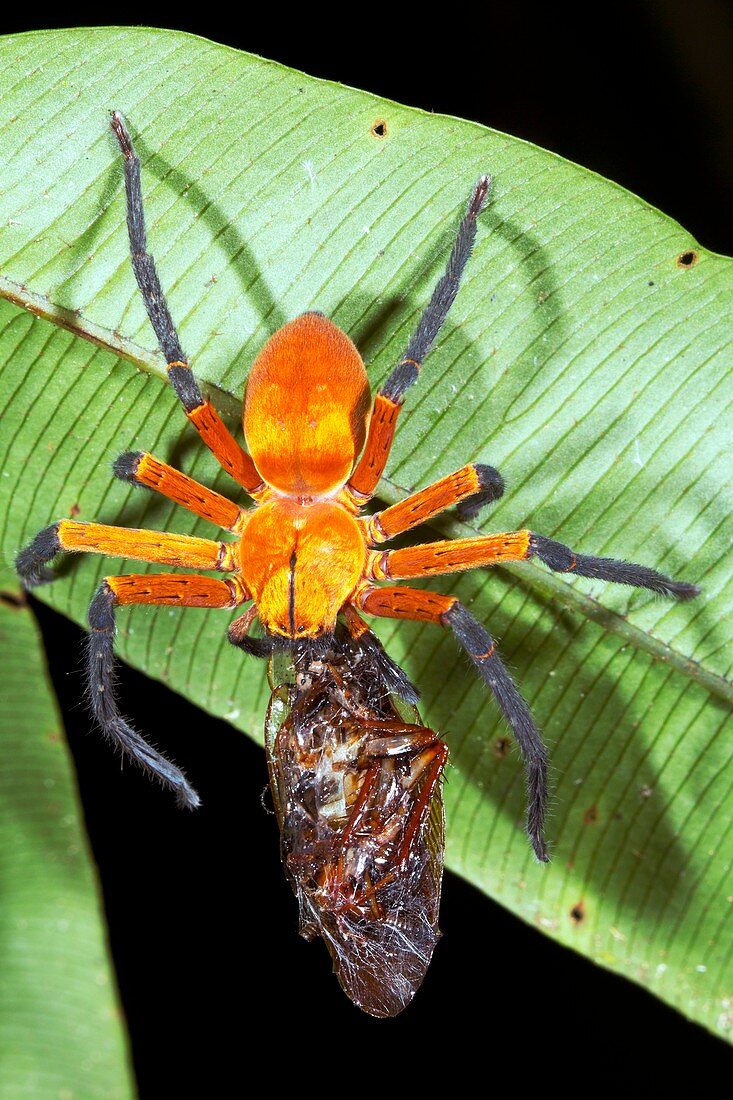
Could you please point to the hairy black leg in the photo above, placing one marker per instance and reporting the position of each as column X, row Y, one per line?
column 263, row 647
column 492, row 488
column 142, row 262
column 126, row 465
column 180, row 374
column 564, row 560
column 100, row 685
column 479, row 645
column 199, row 411
column 31, row 562
column 302, row 649
column 386, row 674
column 393, row 678
column 258, row 647
column 239, row 636
column 433, row 318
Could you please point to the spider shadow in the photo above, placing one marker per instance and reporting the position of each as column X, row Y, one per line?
column 539, row 270
column 604, row 824
column 535, row 263
column 224, row 233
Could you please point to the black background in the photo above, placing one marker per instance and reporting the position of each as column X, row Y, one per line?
column 214, row 979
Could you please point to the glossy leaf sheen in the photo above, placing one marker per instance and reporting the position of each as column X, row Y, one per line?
column 61, row 1029
column 580, row 358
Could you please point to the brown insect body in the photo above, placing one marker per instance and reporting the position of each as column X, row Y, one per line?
column 357, row 793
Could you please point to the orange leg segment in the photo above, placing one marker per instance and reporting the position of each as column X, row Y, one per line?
column 472, row 481
column 141, row 468
column 152, row 546
column 176, row 590
column 450, row 556
column 223, row 445
column 406, row 603
column 355, row 625
column 370, row 467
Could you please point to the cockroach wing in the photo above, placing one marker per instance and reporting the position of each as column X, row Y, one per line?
column 356, row 784
column 381, row 961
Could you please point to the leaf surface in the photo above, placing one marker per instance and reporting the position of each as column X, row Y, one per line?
column 61, row 1027
column 587, row 356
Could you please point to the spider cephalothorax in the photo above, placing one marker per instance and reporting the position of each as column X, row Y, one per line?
column 303, row 555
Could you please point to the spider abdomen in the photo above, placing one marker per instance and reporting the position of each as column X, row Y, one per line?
column 306, row 407
column 301, row 562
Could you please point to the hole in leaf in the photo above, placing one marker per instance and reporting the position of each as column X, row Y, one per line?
column 577, row 913
column 379, row 129
column 686, row 260
column 501, row 746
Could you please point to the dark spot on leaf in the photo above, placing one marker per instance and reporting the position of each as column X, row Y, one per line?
column 577, row 913
column 686, row 260
column 379, row 128
column 501, row 747
column 74, row 510
column 650, row 283
column 590, row 817
column 16, row 600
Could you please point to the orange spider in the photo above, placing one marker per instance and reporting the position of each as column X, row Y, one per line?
column 303, row 554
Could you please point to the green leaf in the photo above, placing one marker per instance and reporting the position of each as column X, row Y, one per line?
column 587, row 356
column 61, row 1029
